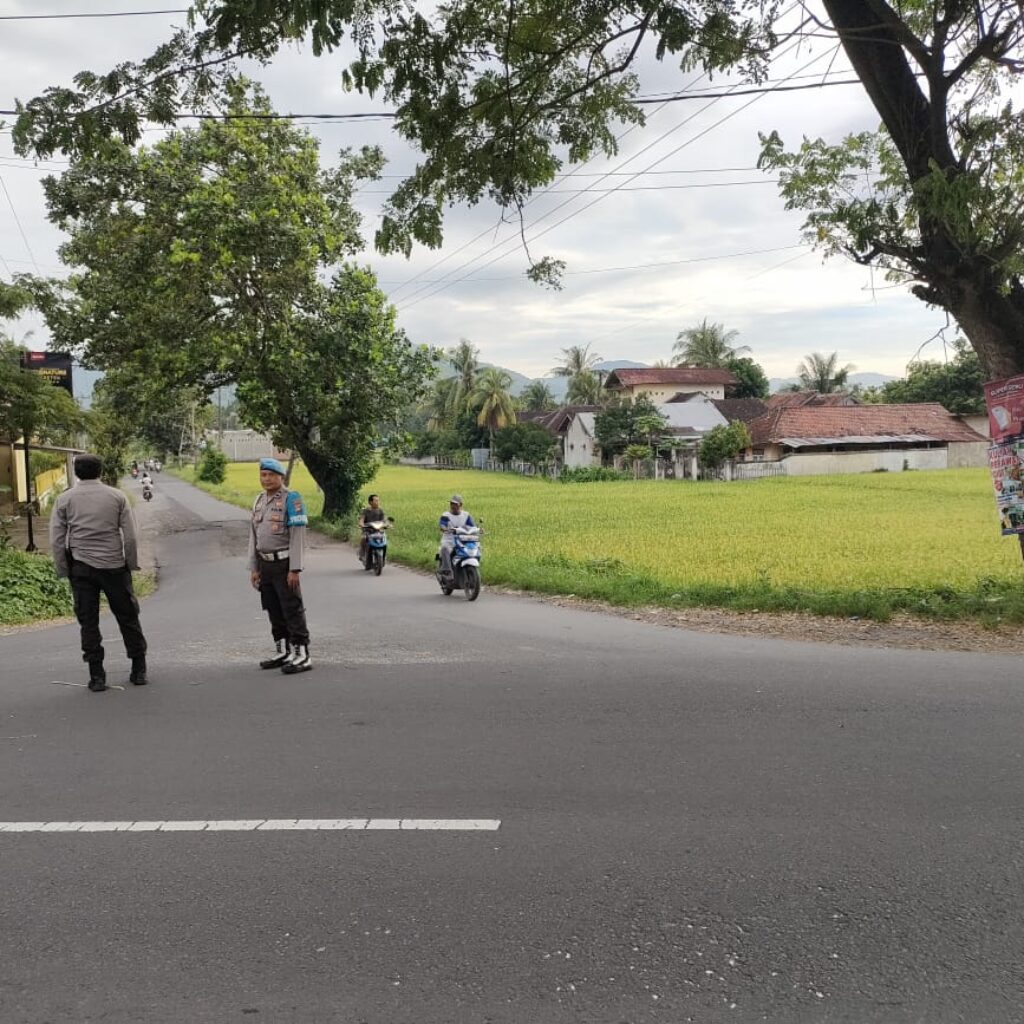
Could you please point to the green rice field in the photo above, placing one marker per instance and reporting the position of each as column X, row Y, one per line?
column 867, row 545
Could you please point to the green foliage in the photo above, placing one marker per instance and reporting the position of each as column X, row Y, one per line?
column 585, row 388
column 537, row 397
column 591, row 474
column 527, row 441
column 821, row 373
column 707, row 344
column 206, row 259
column 956, row 385
column 213, row 464
column 628, row 422
column 752, row 381
column 29, row 588
column 721, row 444
column 30, row 402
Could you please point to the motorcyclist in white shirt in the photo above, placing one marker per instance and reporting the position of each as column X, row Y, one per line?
column 449, row 522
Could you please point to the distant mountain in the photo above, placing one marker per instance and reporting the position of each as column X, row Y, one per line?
column 865, row 380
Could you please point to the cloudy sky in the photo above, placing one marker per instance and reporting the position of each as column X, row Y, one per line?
column 678, row 227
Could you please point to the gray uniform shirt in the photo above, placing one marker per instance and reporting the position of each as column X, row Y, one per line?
column 270, row 530
column 95, row 523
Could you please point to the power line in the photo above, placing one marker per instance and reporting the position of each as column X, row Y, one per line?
column 17, row 220
column 642, row 266
column 423, row 294
column 633, row 188
column 103, row 14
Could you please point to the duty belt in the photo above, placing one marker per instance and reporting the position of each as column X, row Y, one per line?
column 273, row 556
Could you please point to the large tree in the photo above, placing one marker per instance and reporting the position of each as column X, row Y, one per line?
column 498, row 95
column 955, row 384
column 201, row 261
column 494, row 401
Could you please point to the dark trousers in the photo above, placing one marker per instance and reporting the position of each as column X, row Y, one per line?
column 87, row 583
column 282, row 604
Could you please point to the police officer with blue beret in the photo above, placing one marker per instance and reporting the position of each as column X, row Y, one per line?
column 277, row 542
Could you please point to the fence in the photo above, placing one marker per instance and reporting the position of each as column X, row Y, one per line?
column 45, row 483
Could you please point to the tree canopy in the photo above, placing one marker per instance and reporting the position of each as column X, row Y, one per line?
column 822, row 373
column 497, row 96
column 706, row 344
column 956, row 384
column 202, row 260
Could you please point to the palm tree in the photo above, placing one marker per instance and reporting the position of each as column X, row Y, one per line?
column 818, row 372
column 586, row 388
column 537, row 397
column 706, row 345
column 440, row 403
column 497, row 408
column 465, row 360
column 576, row 359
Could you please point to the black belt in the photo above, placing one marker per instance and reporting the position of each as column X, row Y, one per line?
column 272, row 556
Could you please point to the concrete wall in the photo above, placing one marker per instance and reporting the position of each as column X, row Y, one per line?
column 819, row 463
column 245, row 445
column 965, row 455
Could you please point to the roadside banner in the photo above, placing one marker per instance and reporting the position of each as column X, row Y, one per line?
column 1005, row 402
column 54, row 366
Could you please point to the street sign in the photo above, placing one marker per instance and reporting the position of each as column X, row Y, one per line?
column 54, row 366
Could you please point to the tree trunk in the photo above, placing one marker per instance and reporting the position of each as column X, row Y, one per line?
column 340, row 486
column 960, row 282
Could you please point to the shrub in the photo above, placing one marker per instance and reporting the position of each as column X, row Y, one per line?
column 29, row 588
column 213, row 466
column 592, row 474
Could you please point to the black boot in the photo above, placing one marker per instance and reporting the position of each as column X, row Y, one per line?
column 300, row 661
column 97, row 677
column 283, row 653
column 138, row 673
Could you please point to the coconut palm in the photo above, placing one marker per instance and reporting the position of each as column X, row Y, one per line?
column 465, row 361
column 822, row 373
column 576, row 359
column 706, row 345
column 585, row 388
column 537, row 397
column 497, row 408
column 440, row 403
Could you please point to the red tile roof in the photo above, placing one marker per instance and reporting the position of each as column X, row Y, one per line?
column 798, row 399
column 860, row 424
column 629, row 378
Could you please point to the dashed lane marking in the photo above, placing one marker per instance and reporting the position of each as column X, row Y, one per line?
column 263, row 825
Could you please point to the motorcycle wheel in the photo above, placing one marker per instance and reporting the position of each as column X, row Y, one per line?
column 471, row 582
column 378, row 562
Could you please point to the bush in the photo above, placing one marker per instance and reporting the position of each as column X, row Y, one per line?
column 213, row 466
column 592, row 474
column 29, row 588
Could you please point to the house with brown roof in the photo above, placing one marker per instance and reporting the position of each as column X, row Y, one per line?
column 660, row 384
column 801, row 399
column 816, row 439
column 746, row 410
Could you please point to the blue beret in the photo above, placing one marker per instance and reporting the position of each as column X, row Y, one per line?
column 273, row 465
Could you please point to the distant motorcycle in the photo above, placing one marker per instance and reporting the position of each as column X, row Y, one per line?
column 147, row 492
column 376, row 545
column 466, row 555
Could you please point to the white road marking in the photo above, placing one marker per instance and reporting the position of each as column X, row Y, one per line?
column 61, row 682
column 264, row 825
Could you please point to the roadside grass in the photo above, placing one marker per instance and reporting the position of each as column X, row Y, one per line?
column 31, row 592
column 869, row 545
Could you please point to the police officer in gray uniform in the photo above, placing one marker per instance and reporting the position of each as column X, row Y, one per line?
column 92, row 540
column 277, row 543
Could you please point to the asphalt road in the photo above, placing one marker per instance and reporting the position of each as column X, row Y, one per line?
column 693, row 827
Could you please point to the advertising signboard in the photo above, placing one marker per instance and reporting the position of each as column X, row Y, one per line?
column 1005, row 402
column 54, row 366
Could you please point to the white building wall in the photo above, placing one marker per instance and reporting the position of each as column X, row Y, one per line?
column 579, row 447
column 820, row 463
column 968, row 455
column 658, row 393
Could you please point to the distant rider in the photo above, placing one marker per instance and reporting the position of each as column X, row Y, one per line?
column 449, row 522
column 373, row 513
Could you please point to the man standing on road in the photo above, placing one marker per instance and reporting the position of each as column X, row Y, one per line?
column 277, row 541
column 92, row 540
